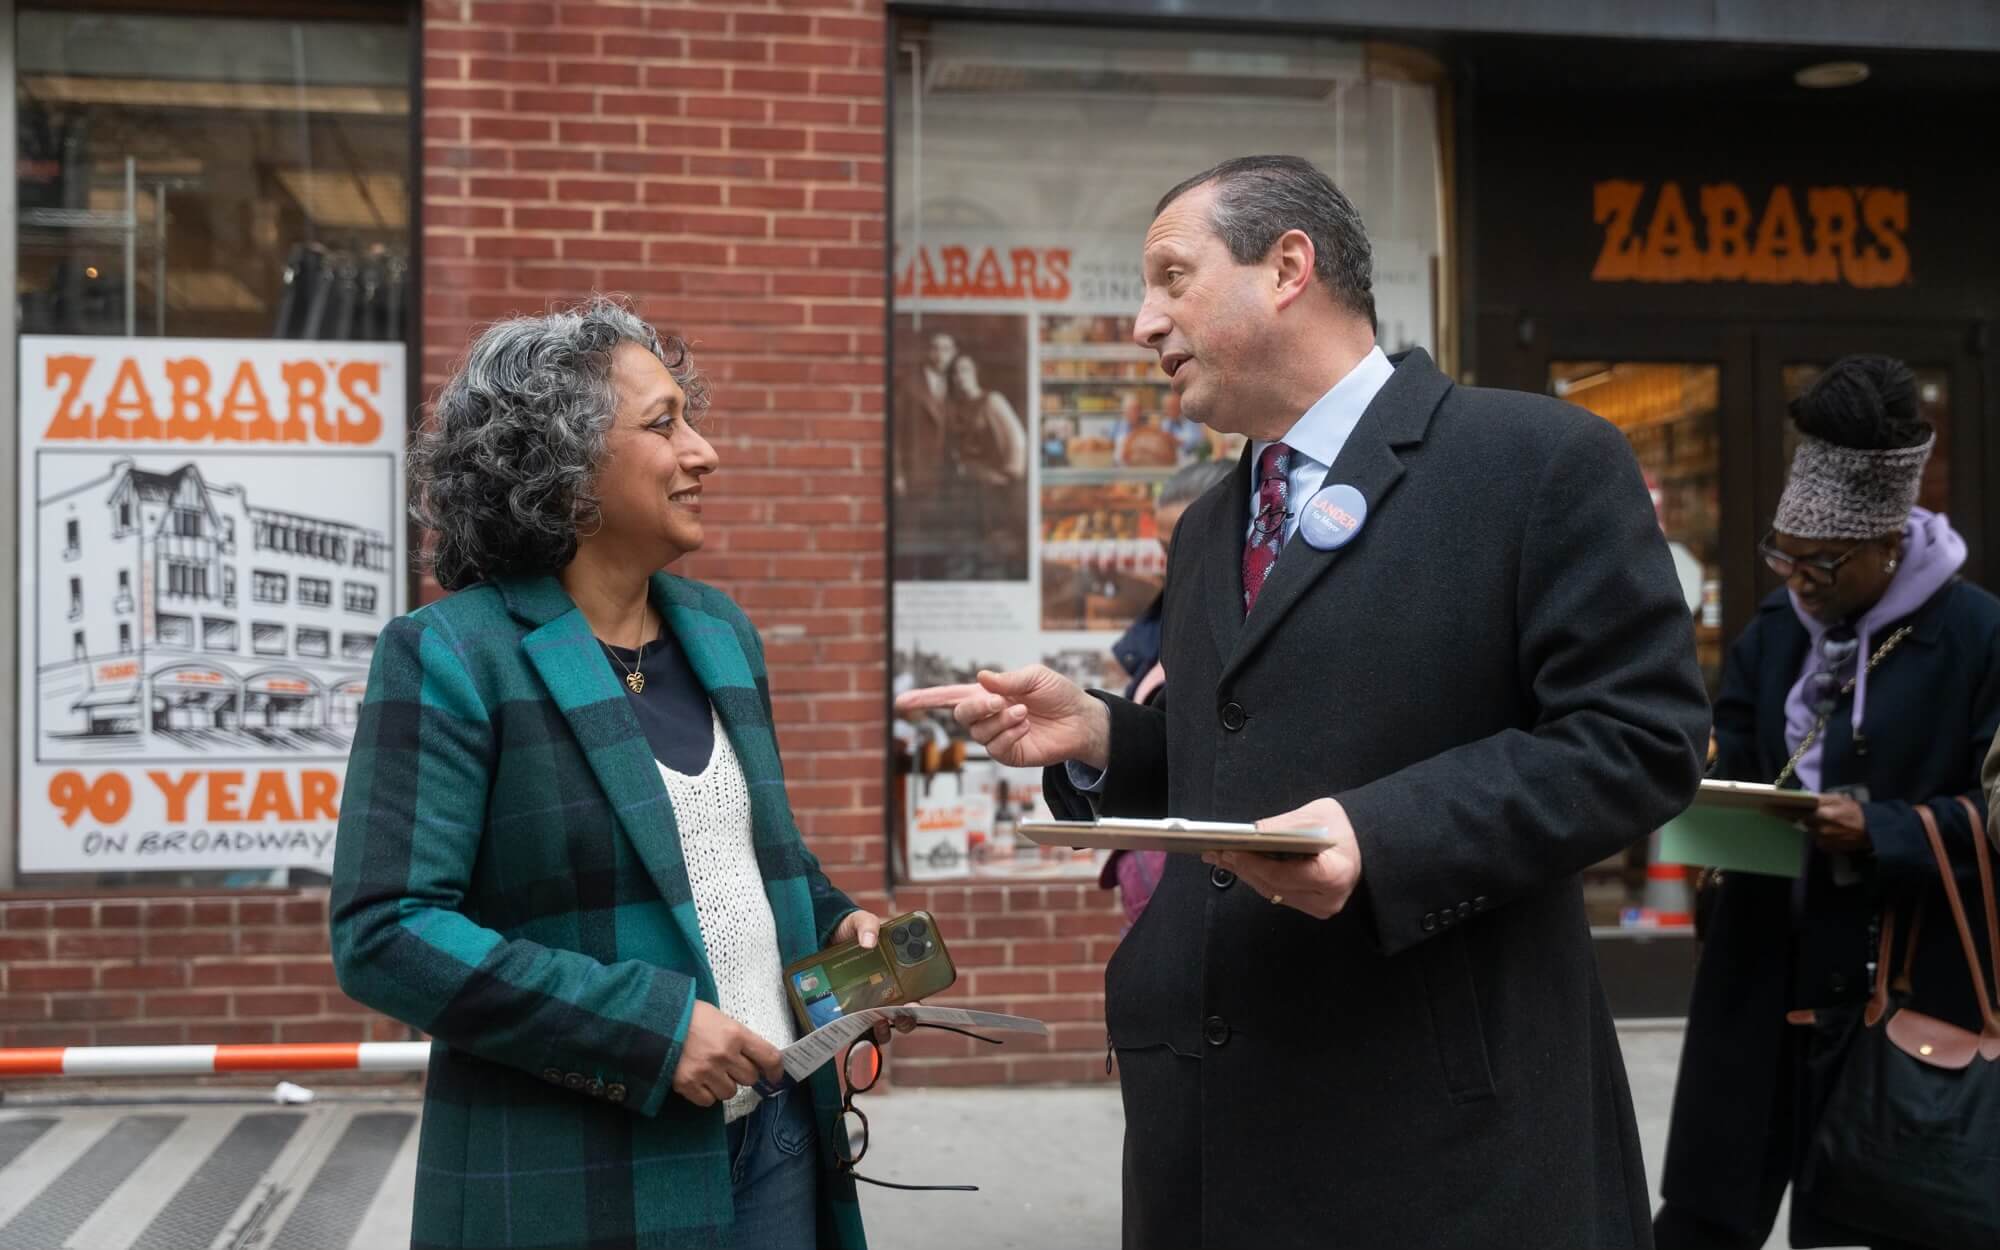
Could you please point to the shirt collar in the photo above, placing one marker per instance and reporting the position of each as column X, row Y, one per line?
column 1324, row 429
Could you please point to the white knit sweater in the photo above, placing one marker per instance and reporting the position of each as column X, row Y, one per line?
column 712, row 809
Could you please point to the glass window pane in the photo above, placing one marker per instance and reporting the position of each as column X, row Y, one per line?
column 212, row 177
column 1670, row 414
column 1032, row 437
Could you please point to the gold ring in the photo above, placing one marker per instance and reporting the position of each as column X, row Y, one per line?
column 1277, row 898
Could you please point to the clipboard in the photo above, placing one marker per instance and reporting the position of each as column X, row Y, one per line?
column 1756, row 797
column 1742, row 826
column 1184, row 837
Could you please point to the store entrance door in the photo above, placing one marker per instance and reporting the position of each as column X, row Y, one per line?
column 1704, row 408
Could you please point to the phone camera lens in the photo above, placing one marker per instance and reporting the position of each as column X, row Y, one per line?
column 898, row 934
column 918, row 929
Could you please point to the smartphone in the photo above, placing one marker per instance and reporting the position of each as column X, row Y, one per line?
column 908, row 963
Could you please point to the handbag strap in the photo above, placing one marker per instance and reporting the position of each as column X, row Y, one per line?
column 1992, row 900
column 1958, row 915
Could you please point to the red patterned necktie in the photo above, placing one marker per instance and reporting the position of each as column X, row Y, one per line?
column 1267, row 532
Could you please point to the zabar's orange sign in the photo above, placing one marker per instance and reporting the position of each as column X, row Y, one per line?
column 259, row 398
column 959, row 272
column 1815, row 235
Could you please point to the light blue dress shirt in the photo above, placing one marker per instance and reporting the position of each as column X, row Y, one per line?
column 1315, row 439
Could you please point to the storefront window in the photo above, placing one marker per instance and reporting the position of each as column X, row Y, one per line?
column 194, row 194
column 212, row 177
column 1031, row 436
column 1671, row 415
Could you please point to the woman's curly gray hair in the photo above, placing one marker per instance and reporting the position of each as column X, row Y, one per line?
column 504, row 472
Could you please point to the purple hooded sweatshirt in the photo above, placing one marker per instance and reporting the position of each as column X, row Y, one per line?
column 1932, row 554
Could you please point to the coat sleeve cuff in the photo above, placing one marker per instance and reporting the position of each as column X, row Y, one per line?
column 1135, row 778
column 1901, row 849
column 663, row 1081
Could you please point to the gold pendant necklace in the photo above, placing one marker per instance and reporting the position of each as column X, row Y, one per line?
column 634, row 679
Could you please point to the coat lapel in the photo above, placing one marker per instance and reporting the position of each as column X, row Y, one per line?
column 590, row 697
column 1396, row 417
column 1222, row 559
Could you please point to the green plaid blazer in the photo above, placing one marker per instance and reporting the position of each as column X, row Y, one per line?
column 509, row 879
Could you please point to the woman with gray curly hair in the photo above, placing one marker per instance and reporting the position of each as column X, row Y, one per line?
column 565, row 851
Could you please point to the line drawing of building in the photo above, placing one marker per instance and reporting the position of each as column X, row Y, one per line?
column 176, row 616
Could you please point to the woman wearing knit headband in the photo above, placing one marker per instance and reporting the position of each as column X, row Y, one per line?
column 1872, row 678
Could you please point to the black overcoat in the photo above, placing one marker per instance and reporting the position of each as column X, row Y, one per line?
column 1497, row 679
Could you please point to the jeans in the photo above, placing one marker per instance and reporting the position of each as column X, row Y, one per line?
column 775, row 1171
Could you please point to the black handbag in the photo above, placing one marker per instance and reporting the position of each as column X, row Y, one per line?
column 1908, row 1142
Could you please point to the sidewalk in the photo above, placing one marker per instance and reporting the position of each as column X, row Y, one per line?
column 1047, row 1161
column 181, row 1175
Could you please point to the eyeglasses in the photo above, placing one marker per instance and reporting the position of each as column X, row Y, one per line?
column 1837, row 651
column 1818, row 572
column 862, row 1065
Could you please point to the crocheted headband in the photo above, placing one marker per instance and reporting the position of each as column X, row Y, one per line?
column 1846, row 492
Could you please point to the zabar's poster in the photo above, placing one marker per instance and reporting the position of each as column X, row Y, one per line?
column 1032, row 437
column 211, row 542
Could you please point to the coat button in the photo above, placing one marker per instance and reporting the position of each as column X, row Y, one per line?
column 573, row 1080
column 552, row 1076
column 595, row 1089
column 615, row 1092
column 1479, row 904
column 1430, row 921
column 1464, row 910
column 1216, row 1030
column 1233, row 718
column 1221, row 878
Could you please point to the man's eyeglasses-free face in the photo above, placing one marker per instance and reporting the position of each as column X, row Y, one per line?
column 861, row 1064
column 1818, row 572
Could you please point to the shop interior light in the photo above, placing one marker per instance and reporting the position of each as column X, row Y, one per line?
column 207, row 290
column 339, row 200
column 1569, row 386
column 1832, row 74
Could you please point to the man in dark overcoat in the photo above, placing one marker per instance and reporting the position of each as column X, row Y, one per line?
column 1441, row 624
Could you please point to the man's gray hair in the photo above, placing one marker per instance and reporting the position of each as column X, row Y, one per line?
column 1193, row 481
column 1259, row 198
column 503, row 473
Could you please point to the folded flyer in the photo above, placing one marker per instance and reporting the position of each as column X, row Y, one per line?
column 805, row 1056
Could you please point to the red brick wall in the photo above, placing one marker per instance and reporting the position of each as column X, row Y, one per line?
column 723, row 164
column 241, row 966
column 1033, row 950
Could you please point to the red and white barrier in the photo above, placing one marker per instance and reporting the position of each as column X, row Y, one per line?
column 208, row 1060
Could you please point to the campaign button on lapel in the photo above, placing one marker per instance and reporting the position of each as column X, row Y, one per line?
column 1333, row 516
